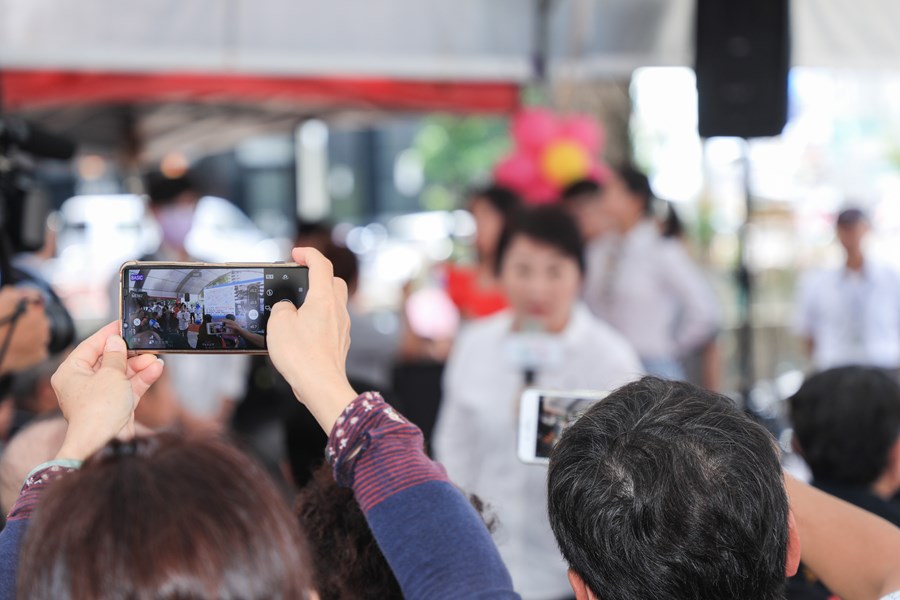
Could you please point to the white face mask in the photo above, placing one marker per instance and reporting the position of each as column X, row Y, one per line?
column 175, row 222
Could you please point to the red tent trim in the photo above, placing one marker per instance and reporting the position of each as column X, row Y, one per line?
column 35, row 89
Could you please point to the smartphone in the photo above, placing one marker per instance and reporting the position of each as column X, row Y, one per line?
column 216, row 328
column 203, row 308
column 544, row 415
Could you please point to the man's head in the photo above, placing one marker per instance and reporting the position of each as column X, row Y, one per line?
column 313, row 234
column 345, row 264
column 582, row 200
column 847, row 426
column 666, row 490
column 852, row 227
column 173, row 201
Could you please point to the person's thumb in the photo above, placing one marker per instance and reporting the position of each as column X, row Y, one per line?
column 115, row 354
column 281, row 313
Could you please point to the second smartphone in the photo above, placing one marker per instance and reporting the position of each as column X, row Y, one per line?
column 543, row 417
column 204, row 308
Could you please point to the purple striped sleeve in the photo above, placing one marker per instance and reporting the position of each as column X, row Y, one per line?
column 32, row 490
column 378, row 453
column 17, row 523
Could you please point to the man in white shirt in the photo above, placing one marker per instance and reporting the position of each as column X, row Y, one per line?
column 851, row 315
column 644, row 285
column 184, row 321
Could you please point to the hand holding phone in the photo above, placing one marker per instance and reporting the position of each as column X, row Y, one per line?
column 308, row 345
column 204, row 308
column 543, row 417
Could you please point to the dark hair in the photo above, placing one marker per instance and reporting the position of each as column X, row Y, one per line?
column 345, row 557
column 304, row 444
column 549, row 225
column 345, row 263
column 580, row 189
column 164, row 517
column 850, row 217
column 502, row 199
column 638, row 184
column 312, row 228
column 666, row 490
column 845, row 421
column 164, row 190
column 672, row 227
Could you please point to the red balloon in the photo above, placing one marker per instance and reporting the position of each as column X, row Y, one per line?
column 582, row 130
column 599, row 172
column 533, row 129
column 543, row 192
column 517, row 172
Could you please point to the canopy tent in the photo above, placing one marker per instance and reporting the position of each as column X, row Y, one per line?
column 174, row 283
column 266, row 64
column 95, row 68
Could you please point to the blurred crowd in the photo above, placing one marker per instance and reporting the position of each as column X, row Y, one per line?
column 592, row 292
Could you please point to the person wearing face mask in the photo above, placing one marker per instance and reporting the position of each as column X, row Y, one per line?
column 173, row 201
column 208, row 387
column 540, row 266
column 645, row 285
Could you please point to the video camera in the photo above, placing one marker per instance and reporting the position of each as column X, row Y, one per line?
column 23, row 221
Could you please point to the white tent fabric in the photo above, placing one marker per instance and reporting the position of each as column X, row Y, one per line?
column 430, row 39
column 433, row 39
column 860, row 34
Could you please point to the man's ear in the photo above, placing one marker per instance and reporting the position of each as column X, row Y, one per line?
column 792, row 562
column 579, row 587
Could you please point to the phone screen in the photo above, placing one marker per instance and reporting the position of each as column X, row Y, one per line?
column 555, row 414
column 205, row 308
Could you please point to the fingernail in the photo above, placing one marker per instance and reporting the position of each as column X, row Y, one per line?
column 162, row 362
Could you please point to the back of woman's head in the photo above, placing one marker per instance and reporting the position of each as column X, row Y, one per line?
column 346, row 558
column 164, row 518
column 637, row 183
column 347, row 561
column 504, row 200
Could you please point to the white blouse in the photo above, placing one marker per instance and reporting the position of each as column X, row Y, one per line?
column 475, row 437
column 649, row 289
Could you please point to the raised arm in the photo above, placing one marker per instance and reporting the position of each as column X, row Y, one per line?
column 98, row 388
column 856, row 553
column 434, row 541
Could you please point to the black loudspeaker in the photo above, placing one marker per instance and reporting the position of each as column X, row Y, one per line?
column 187, row 297
column 742, row 63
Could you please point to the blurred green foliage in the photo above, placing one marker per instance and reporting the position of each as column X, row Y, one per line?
column 458, row 153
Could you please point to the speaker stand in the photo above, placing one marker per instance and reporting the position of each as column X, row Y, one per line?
column 744, row 276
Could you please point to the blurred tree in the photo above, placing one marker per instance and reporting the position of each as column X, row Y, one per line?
column 457, row 153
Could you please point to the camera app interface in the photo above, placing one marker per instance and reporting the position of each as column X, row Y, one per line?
column 205, row 308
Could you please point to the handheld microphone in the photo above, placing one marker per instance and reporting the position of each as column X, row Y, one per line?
column 533, row 349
